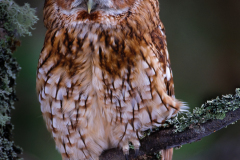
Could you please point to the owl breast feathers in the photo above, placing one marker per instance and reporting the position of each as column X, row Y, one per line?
column 103, row 75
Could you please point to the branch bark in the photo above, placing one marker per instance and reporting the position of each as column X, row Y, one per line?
column 15, row 21
column 166, row 138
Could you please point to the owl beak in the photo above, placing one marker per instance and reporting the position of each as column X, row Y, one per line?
column 89, row 5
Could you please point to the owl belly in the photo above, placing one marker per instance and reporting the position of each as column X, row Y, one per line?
column 76, row 119
column 99, row 113
column 130, row 103
column 98, row 97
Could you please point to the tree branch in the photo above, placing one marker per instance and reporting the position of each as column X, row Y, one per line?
column 205, row 125
column 15, row 21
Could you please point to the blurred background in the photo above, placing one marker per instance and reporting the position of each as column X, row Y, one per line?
column 204, row 45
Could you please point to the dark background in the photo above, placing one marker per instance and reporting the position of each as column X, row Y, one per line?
column 203, row 41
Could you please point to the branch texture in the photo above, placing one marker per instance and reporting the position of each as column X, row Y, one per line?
column 223, row 112
column 14, row 21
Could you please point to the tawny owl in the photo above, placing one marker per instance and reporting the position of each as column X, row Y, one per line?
column 104, row 75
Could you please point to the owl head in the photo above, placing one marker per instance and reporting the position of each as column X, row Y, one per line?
column 71, row 12
column 80, row 11
column 91, row 6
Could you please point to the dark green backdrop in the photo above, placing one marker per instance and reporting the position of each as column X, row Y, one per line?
column 204, row 45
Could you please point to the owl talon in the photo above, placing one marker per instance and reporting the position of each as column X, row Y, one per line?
column 136, row 152
column 126, row 156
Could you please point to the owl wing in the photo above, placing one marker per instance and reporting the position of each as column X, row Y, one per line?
column 159, row 40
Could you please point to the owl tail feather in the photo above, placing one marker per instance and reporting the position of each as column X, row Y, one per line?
column 167, row 154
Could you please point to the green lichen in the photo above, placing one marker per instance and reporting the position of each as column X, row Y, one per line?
column 212, row 109
column 8, row 71
column 131, row 146
column 158, row 155
column 19, row 19
column 15, row 21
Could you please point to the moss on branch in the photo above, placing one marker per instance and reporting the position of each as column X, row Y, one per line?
column 15, row 21
column 18, row 20
column 212, row 109
column 190, row 127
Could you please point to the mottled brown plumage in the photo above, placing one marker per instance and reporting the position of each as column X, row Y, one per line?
column 104, row 75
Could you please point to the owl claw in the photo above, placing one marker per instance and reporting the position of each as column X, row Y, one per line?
column 136, row 152
column 126, row 156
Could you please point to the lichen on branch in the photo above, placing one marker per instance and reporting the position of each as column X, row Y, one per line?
column 15, row 21
column 18, row 20
column 212, row 109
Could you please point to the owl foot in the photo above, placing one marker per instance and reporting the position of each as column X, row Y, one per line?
column 126, row 156
column 136, row 152
column 125, row 146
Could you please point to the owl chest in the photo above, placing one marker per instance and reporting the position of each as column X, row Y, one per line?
column 107, row 49
column 91, row 69
column 91, row 55
column 103, row 66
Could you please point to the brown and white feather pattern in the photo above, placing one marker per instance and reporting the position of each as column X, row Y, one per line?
column 104, row 77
